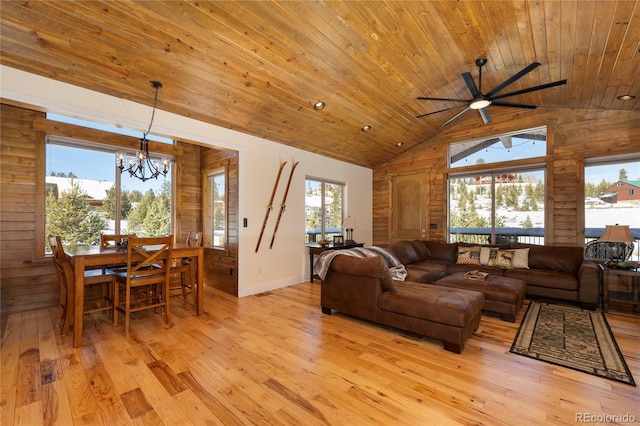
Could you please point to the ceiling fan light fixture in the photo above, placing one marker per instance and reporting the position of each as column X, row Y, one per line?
column 626, row 97
column 480, row 103
column 365, row 128
column 319, row 105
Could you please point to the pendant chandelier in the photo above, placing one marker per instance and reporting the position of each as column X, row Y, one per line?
column 140, row 164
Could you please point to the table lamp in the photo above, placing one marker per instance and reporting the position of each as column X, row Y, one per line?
column 616, row 234
column 349, row 225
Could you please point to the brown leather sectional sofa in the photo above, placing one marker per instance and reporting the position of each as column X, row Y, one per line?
column 363, row 287
column 552, row 272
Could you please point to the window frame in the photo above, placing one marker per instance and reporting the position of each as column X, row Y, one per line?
column 221, row 171
column 323, row 235
column 68, row 142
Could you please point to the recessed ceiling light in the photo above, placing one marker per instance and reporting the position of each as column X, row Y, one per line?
column 319, row 105
column 626, row 97
column 399, row 144
column 365, row 128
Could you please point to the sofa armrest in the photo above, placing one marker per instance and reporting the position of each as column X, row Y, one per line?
column 352, row 285
column 589, row 277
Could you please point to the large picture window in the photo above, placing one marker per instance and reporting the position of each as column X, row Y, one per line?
column 323, row 209
column 494, row 198
column 86, row 195
column 612, row 196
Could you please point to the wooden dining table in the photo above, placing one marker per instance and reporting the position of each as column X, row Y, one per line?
column 93, row 257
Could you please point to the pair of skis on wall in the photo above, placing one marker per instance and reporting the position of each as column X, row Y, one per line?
column 282, row 204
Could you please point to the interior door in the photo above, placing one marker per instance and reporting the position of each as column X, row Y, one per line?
column 409, row 207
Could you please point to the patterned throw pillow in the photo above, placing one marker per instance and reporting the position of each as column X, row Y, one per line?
column 469, row 255
column 487, row 253
column 503, row 259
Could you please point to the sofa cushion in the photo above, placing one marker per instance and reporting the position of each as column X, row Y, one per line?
column 469, row 255
column 409, row 252
column 564, row 259
column 461, row 267
column 425, row 272
column 545, row 278
column 442, row 251
column 368, row 266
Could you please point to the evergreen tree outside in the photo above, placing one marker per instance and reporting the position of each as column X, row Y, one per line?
column 623, row 175
column 138, row 215
column 71, row 217
column 155, row 222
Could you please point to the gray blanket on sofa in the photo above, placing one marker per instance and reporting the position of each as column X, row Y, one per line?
column 397, row 269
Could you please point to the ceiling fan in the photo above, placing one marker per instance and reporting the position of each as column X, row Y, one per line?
column 480, row 101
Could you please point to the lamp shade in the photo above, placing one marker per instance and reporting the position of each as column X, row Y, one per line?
column 617, row 234
column 350, row 223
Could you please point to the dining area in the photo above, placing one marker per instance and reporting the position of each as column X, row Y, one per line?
column 131, row 274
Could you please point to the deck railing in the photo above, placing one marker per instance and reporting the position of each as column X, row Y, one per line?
column 527, row 236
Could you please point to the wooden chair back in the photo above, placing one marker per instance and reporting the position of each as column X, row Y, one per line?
column 107, row 240
column 148, row 264
column 66, row 279
column 194, row 239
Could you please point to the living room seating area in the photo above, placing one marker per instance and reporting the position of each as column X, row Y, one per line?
column 437, row 297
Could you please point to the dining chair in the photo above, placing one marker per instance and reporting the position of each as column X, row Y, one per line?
column 107, row 240
column 145, row 282
column 182, row 270
column 66, row 279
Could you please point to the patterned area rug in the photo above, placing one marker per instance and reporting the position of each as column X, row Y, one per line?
column 572, row 338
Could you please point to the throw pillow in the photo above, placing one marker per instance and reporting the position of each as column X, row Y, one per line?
column 469, row 255
column 521, row 258
column 486, row 253
column 504, row 259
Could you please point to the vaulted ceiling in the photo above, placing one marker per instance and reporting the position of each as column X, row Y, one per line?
column 259, row 67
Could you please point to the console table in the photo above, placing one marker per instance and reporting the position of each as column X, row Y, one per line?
column 630, row 297
column 317, row 249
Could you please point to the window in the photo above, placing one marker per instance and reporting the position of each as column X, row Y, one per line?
column 218, row 209
column 498, row 203
column 611, row 196
column 518, row 145
column 86, row 195
column 497, row 207
column 323, row 209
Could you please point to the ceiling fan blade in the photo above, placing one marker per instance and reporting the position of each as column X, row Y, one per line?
column 435, row 112
column 471, row 84
column 526, row 70
column 458, row 115
column 422, row 98
column 514, row 104
column 484, row 113
column 531, row 89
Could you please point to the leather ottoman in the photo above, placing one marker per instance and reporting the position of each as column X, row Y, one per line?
column 503, row 296
column 447, row 314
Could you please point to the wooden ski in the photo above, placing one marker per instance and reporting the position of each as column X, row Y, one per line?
column 283, row 204
column 270, row 206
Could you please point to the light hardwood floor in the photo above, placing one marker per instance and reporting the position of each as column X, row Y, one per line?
column 276, row 359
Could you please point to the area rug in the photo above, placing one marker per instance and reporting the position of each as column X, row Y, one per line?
column 573, row 338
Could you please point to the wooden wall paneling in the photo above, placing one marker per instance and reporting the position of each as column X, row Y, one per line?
column 221, row 265
column 188, row 192
column 27, row 281
column 572, row 136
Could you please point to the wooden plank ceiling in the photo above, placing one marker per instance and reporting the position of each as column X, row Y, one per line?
column 259, row 66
